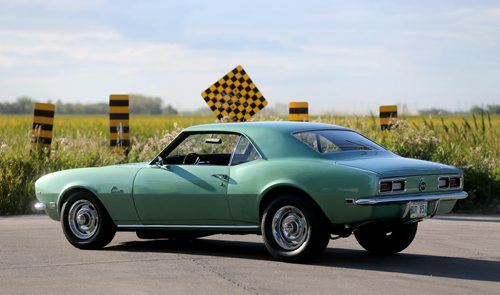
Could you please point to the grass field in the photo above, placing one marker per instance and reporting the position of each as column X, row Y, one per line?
column 470, row 143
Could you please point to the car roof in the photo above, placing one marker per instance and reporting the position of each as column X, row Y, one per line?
column 264, row 126
column 273, row 139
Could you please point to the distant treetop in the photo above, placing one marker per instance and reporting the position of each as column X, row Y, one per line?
column 139, row 104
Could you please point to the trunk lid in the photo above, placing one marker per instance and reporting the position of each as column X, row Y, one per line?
column 390, row 165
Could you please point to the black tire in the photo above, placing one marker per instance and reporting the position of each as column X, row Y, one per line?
column 95, row 230
column 288, row 209
column 385, row 240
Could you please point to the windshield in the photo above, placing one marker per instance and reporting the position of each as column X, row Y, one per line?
column 332, row 141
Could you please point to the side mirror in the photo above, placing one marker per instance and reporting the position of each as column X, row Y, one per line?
column 159, row 161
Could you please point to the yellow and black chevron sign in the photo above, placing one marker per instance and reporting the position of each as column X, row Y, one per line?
column 298, row 111
column 388, row 114
column 119, row 120
column 43, row 121
column 234, row 97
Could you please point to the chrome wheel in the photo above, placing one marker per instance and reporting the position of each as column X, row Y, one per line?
column 289, row 228
column 83, row 219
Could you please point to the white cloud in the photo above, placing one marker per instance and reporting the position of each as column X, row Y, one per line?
column 58, row 64
column 347, row 60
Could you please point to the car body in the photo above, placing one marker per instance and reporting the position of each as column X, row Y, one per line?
column 296, row 183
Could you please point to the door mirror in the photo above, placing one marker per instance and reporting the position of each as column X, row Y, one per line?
column 159, row 161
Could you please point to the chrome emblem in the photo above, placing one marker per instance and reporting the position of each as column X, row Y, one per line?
column 422, row 186
column 115, row 190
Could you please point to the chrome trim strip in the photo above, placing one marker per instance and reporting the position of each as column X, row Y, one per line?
column 403, row 199
column 182, row 226
column 40, row 206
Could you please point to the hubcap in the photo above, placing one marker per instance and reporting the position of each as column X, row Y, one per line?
column 290, row 229
column 83, row 219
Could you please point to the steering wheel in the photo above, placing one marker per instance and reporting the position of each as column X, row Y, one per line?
column 197, row 159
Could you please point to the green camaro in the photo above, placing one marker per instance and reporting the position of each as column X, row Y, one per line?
column 297, row 184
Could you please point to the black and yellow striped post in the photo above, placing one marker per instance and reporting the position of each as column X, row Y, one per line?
column 43, row 121
column 119, row 120
column 388, row 114
column 299, row 111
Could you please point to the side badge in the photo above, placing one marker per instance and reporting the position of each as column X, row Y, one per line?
column 115, row 190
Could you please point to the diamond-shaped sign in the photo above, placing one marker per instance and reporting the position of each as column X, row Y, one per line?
column 234, row 96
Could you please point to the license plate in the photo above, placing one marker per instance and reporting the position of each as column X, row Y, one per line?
column 418, row 209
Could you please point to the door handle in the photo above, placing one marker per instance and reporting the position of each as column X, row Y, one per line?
column 223, row 177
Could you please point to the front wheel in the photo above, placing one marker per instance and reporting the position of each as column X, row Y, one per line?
column 386, row 240
column 85, row 222
column 293, row 229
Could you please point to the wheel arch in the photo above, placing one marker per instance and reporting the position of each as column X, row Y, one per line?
column 70, row 190
column 270, row 194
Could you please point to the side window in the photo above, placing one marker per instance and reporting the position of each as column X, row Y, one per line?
column 332, row 141
column 203, row 149
column 326, row 146
column 244, row 152
column 317, row 141
column 309, row 138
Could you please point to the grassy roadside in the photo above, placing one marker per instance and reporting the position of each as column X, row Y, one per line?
column 470, row 143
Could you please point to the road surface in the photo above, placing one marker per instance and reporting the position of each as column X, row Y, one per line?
column 450, row 255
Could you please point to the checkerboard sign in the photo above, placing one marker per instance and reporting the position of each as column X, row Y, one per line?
column 387, row 115
column 43, row 121
column 234, row 97
column 119, row 120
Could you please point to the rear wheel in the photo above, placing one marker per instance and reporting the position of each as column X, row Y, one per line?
column 386, row 240
column 85, row 222
column 293, row 229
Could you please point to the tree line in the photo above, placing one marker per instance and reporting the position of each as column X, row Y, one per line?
column 492, row 109
column 139, row 104
column 147, row 105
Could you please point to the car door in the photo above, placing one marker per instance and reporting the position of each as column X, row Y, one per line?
column 189, row 186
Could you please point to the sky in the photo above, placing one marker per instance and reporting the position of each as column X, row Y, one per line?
column 340, row 56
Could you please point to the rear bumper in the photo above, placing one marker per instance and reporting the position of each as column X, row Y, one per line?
column 444, row 201
column 405, row 199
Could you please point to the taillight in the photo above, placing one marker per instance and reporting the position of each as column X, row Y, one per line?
column 446, row 182
column 385, row 186
column 392, row 186
column 454, row 181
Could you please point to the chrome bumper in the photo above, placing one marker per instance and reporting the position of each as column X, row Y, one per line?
column 404, row 199
column 40, row 206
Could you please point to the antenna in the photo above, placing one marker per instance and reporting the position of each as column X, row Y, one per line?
column 119, row 141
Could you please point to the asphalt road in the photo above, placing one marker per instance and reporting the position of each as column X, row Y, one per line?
column 450, row 255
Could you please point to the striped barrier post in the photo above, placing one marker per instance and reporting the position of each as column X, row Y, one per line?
column 119, row 120
column 387, row 115
column 298, row 111
column 43, row 122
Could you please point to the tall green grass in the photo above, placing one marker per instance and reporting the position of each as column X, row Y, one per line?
column 470, row 143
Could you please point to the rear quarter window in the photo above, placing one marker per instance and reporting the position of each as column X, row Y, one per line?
column 332, row 141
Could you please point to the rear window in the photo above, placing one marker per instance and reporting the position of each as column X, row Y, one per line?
column 332, row 141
